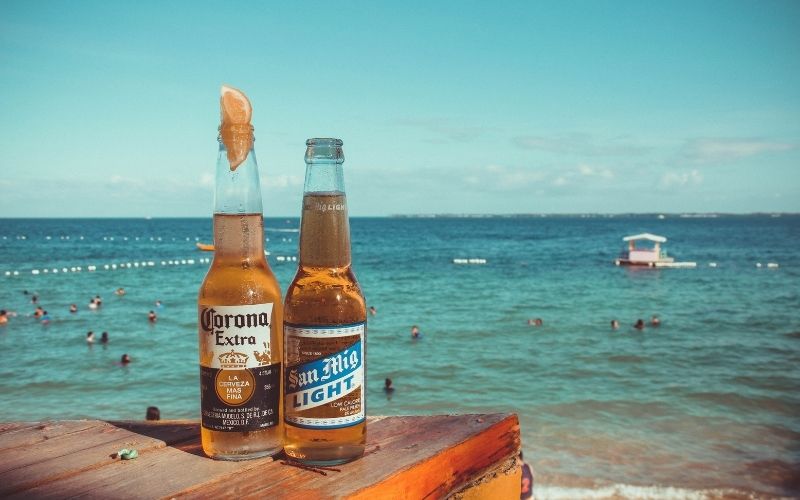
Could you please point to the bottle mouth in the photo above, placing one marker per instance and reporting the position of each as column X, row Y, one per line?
column 324, row 149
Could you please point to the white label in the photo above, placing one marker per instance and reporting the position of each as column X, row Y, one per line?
column 235, row 336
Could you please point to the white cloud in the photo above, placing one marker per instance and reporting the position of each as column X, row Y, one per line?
column 672, row 179
column 713, row 150
column 589, row 171
column 207, row 180
column 582, row 144
column 281, row 181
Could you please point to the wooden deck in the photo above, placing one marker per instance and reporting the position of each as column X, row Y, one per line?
column 458, row 456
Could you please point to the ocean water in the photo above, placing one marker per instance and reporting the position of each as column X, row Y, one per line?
column 704, row 406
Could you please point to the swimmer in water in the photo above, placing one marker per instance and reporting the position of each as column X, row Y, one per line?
column 124, row 360
column 151, row 316
column 73, row 308
column 415, row 332
column 90, row 337
column 614, row 324
column 654, row 321
column 104, row 338
column 372, row 310
column 639, row 325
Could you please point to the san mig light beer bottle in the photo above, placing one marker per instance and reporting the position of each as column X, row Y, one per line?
column 325, row 328
column 239, row 307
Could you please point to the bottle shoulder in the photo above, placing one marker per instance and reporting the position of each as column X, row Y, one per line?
column 237, row 284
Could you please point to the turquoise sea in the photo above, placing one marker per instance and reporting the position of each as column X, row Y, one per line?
column 705, row 406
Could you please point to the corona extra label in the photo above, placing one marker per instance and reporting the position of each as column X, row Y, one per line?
column 240, row 389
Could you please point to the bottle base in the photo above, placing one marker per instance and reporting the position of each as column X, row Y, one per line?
column 251, row 455
column 327, row 456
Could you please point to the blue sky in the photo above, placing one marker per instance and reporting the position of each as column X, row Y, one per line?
column 111, row 108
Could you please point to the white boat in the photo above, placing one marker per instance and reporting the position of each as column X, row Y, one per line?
column 654, row 256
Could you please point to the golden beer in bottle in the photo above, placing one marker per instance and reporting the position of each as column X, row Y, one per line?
column 239, row 307
column 325, row 324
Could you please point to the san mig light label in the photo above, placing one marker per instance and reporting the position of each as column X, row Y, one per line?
column 325, row 380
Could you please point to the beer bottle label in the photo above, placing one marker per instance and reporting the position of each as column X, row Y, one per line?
column 324, row 379
column 239, row 388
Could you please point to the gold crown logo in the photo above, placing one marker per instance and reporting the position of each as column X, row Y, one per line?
column 233, row 359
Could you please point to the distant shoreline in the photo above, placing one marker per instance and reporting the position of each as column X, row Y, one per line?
column 661, row 215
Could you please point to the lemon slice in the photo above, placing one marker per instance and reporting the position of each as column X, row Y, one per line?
column 235, row 130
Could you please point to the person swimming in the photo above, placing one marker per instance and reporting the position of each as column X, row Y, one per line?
column 415, row 332
column 93, row 304
column 73, row 308
column 119, row 291
column 614, row 324
column 655, row 321
column 151, row 316
column 124, row 360
column 536, row 322
column 90, row 337
column 153, row 413
column 639, row 325
column 372, row 310
column 104, row 338
column 3, row 316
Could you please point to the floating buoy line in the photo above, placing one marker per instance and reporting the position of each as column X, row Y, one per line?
column 123, row 265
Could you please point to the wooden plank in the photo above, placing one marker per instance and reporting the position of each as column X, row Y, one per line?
column 73, row 453
column 155, row 474
column 31, row 433
column 407, row 457
column 494, row 438
column 503, row 481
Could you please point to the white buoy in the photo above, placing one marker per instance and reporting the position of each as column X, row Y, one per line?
column 55, row 271
column 113, row 266
column 135, row 264
column 190, row 261
column 64, row 270
column 712, row 264
column 8, row 273
column 48, row 238
column 105, row 266
column 81, row 237
column 758, row 264
column 125, row 238
column 34, row 271
column 16, row 273
column 772, row 265
column 73, row 269
column 163, row 263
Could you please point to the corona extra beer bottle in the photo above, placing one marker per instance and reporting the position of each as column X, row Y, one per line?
column 239, row 307
column 325, row 328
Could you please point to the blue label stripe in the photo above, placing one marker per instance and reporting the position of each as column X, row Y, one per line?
column 316, row 369
column 341, row 426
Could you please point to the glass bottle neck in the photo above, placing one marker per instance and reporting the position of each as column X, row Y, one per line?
column 325, row 227
column 237, row 191
column 238, row 219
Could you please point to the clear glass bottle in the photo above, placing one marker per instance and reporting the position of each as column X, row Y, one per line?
column 240, row 319
column 325, row 328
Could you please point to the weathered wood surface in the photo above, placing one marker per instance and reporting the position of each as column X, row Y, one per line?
column 472, row 456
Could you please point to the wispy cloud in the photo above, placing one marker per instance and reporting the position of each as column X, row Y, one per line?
column 582, row 144
column 672, row 180
column 714, row 150
column 442, row 129
column 281, row 181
